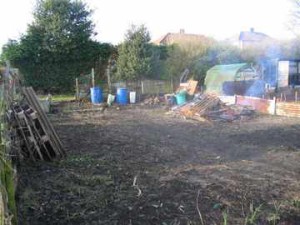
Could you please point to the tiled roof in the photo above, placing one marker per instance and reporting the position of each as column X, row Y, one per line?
column 252, row 36
column 171, row 38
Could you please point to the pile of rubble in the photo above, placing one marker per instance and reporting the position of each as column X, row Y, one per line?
column 152, row 100
column 210, row 107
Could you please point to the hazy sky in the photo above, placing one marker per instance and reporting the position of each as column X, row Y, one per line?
column 215, row 18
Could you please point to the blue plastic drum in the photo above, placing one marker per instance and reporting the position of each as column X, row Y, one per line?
column 96, row 95
column 122, row 98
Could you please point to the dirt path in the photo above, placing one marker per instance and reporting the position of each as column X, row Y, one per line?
column 140, row 166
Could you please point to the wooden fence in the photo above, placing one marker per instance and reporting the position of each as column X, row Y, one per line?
column 290, row 109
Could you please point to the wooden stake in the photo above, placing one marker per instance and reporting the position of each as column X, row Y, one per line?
column 77, row 89
column 142, row 84
column 284, row 95
column 274, row 105
column 198, row 209
column 93, row 77
column 108, row 77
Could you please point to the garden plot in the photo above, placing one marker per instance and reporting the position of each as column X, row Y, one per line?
column 137, row 165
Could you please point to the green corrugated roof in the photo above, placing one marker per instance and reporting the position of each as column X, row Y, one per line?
column 217, row 75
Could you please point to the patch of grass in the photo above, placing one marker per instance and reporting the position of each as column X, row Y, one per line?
column 274, row 216
column 225, row 218
column 59, row 98
column 296, row 203
column 252, row 218
column 28, row 199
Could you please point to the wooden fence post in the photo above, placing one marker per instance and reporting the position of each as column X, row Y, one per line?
column 77, row 89
column 93, row 77
column 274, row 106
column 142, row 84
column 284, row 95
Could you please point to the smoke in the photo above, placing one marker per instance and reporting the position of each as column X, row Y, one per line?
column 257, row 89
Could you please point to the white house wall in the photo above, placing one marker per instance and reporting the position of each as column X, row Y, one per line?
column 283, row 73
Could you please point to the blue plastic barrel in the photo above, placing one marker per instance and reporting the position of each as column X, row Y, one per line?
column 122, row 98
column 181, row 97
column 96, row 95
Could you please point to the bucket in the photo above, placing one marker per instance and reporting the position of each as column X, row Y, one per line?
column 132, row 97
column 181, row 97
column 45, row 105
column 110, row 99
column 96, row 95
column 122, row 96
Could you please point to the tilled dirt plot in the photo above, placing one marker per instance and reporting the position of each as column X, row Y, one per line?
column 140, row 166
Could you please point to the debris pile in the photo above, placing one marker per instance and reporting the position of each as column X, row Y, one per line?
column 152, row 100
column 35, row 134
column 210, row 107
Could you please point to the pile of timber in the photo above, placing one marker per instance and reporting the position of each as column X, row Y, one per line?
column 210, row 107
column 37, row 137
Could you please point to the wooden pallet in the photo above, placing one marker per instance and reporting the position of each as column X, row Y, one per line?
column 46, row 143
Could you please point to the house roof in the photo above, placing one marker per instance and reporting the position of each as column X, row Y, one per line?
column 181, row 37
column 160, row 40
column 252, row 36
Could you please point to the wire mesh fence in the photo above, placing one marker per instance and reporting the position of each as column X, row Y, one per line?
column 142, row 87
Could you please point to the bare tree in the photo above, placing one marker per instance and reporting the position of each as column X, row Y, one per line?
column 294, row 24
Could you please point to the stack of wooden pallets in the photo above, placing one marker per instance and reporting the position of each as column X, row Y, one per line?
column 38, row 139
column 199, row 106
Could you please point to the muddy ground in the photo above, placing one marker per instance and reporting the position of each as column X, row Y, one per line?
column 138, row 165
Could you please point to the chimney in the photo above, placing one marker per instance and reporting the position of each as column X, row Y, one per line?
column 251, row 29
column 181, row 31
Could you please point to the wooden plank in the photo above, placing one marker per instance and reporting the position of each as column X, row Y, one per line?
column 192, row 87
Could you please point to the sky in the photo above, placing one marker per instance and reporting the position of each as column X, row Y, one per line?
column 219, row 19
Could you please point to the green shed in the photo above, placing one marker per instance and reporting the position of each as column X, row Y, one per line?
column 224, row 79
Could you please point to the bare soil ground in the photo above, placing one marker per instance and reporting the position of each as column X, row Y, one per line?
column 138, row 165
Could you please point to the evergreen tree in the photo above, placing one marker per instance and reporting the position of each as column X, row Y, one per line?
column 57, row 46
column 135, row 55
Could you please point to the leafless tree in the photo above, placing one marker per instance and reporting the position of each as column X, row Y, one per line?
column 294, row 24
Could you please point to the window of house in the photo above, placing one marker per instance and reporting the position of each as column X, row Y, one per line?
column 294, row 73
